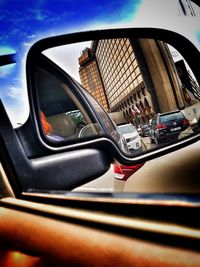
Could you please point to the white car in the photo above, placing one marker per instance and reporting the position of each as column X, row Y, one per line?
column 131, row 135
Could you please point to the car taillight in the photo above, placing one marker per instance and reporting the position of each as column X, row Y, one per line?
column 118, row 174
column 122, row 172
column 161, row 126
column 185, row 122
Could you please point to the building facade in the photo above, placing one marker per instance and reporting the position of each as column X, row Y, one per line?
column 137, row 77
column 90, row 77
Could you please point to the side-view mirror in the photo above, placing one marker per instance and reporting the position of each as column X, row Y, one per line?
column 133, row 91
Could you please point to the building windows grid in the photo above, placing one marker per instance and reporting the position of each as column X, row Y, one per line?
column 119, row 73
column 124, row 56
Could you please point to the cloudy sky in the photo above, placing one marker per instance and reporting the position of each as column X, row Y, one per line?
column 24, row 22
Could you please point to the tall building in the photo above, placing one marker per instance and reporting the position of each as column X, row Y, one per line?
column 137, row 77
column 90, row 77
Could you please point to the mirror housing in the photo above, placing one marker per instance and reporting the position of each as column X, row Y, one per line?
column 101, row 140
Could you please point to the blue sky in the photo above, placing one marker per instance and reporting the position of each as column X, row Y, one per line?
column 24, row 22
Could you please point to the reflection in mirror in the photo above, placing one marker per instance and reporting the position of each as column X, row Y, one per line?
column 62, row 116
column 145, row 86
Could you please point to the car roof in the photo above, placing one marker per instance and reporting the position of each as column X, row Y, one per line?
column 124, row 125
column 170, row 112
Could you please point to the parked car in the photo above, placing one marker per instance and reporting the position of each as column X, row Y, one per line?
column 166, row 127
column 145, row 130
column 131, row 135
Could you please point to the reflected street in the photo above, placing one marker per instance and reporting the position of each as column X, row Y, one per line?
column 145, row 146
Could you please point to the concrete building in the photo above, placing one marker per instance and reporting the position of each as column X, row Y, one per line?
column 137, row 77
column 90, row 77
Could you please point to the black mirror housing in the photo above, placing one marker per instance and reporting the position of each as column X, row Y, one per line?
column 103, row 140
column 90, row 154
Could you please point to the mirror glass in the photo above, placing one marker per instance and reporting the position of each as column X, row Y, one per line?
column 146, row 94
column 61, row 113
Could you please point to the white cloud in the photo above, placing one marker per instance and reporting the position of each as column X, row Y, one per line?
column 31, row 36
column 6, row 70
column 17, row 114
column 17, row 105
column 16, row 93
column 27, row 44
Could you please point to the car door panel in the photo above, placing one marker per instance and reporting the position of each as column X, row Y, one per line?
column 41, row 238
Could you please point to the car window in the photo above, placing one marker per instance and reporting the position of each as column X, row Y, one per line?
column 126, row 129
column 62, row 116
column 108, row 124
column 171, row 117
column 153, row 123
column 110, row 127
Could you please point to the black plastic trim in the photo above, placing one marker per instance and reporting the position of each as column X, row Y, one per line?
column 7, row 59
column 62, row 171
